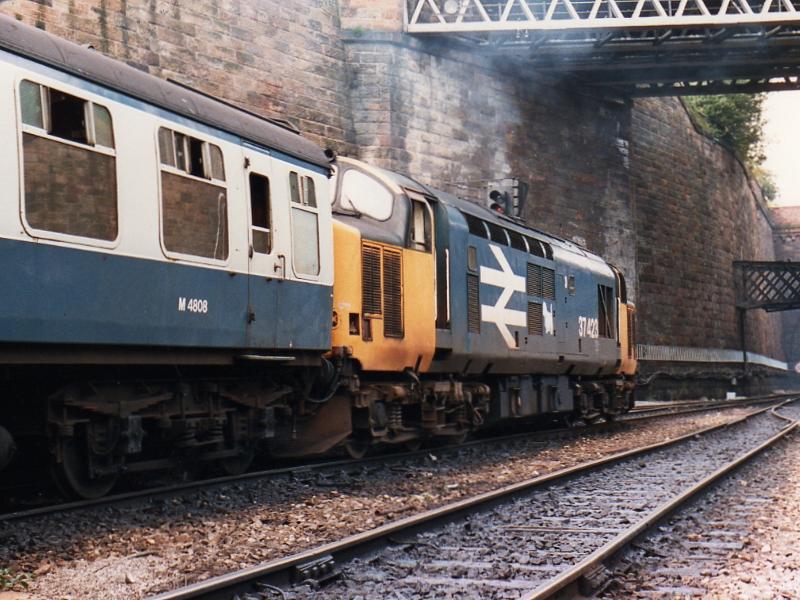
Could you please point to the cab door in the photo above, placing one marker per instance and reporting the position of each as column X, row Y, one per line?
column 267, row 265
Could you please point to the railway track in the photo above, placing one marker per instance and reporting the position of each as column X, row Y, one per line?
column 638, row 415
column 533, row 539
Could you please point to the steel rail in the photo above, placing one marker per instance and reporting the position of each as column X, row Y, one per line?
column 280, row 570
column 641, row 415
column 605, row 552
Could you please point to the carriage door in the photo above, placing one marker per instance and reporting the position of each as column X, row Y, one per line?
column 266, row 264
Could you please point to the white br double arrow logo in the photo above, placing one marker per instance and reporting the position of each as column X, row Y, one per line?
column 499, row 314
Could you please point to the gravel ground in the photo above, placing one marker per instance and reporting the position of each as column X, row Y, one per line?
column 519, row 545
column 740, row 541
column 156, row 545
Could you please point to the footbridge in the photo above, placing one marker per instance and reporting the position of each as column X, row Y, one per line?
column 644, row 47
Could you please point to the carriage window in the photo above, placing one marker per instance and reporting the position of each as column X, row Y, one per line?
column 217, row 164
column 68, row 117
column 305, row 225
column 260, row 214
column 166, row 147
column 194, row 213
column 302, row 190
column 190, row 155
column 30, row 95
column 56, row 173
column 103, row 132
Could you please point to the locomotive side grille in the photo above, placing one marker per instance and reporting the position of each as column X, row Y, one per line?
column 371, row 280
column 548, row 284
column 533, row 283
column 535, row 320
column 392, row 294
column 473, row 304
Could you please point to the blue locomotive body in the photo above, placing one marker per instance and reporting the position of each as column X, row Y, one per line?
column 535, row 313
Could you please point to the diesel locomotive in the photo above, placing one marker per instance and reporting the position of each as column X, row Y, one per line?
column 184, row 282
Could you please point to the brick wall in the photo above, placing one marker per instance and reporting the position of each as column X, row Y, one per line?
column 696, row 212
column 280, row 58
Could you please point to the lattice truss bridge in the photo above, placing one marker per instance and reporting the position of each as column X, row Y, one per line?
column 644, row 47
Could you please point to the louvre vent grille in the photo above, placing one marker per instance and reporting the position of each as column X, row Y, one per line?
column 548, row 284
column 535, row 320
column 393, row 294
column 533, row 282
column 371, row 280
column 473, row 304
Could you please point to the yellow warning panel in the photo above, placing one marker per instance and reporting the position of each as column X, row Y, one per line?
column 384, row 302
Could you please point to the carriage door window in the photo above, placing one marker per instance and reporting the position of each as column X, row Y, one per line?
column 260, row 214
column 305, row 225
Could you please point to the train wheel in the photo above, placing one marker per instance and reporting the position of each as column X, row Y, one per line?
column 356, row 448
column 236, row 465
column 72, row 474
column 413, row 445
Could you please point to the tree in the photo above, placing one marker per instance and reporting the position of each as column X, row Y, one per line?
column 735, row 120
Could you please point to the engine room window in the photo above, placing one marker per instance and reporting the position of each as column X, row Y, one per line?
column 498, row 234
column 260, row 214
column 535, row 247
column 365, row 195
column 476, row 226
column 70, row 188
column 517, row 240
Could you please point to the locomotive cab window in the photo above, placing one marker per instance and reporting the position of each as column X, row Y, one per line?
column 68, row 154
column 365, row 195
column 194, row 202
column 305, row 225
column 605, row 309
column 420, row 237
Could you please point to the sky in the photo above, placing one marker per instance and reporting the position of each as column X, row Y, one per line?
column 782, row 144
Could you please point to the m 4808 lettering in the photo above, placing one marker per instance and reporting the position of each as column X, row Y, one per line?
column 193, row 305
